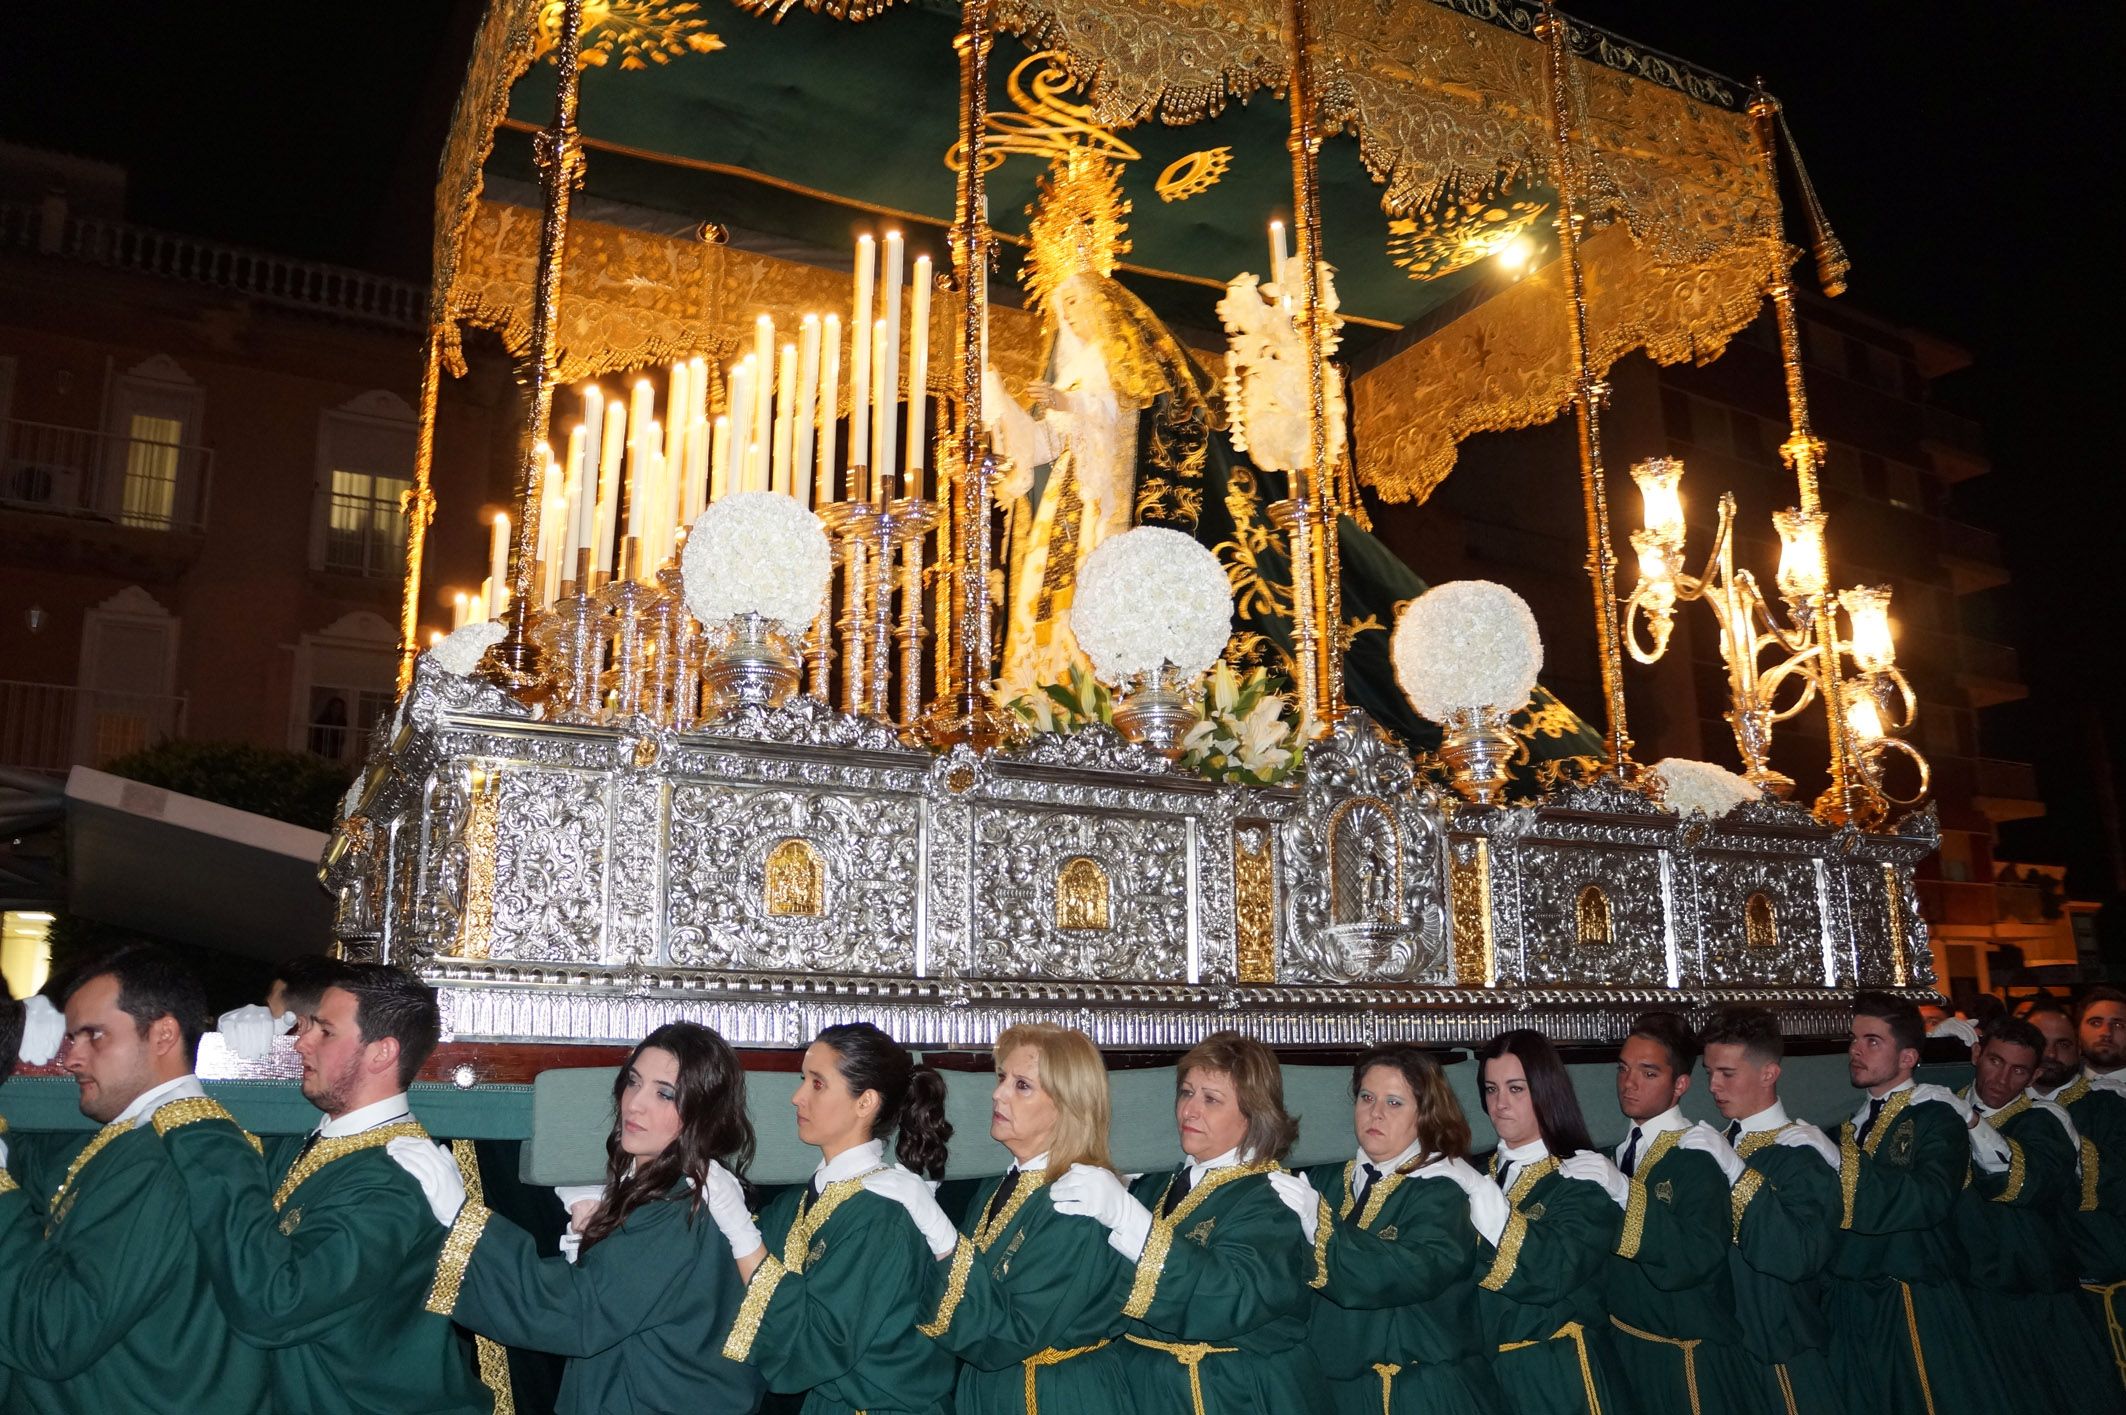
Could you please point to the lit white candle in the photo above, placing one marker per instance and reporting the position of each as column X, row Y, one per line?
column 755, row 459
column 883, row 443
column 642, row 480
column 720, row 461
column 803, row 416
column 479, row 613
column 574, row 519
column 607, row 524
column 498, row 557
column 1278, row 254
column 918, row 371
column 642, row 406
column 785, row 418
column 696, row 493
column 675, row 415
column 830, row 385
column 860, row 361
column 740, row 405
column 460, row 610
column 883, row 432
column 764, row 388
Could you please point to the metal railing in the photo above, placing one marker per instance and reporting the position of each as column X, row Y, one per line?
column 260, row 275
column 2006, row 780
column 130, row 481
column 54, row 727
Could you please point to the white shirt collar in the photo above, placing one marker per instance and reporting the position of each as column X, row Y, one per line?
column 1037, row 1162
column 1772, row 1117
column 1388, row 1166
column 1198, row 1168
column 2093, row 1074
column 1971, row 1095
column 185, row 1087
column 1667, row 1120
column 367, row 1117
column 1861, row 1113
column 2053, row 1094
column 857, row 1159
column 1523, row 1154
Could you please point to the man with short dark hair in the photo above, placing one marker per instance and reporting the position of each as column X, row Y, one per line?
column 2012, row 1222
column 2061, row 1060
column 2096, row 1223
column 1668, row 1287
column 106, row 1305
column 2100, row 1014
column 1785, row 1209
column 1903, row 1341
column 324, row 1257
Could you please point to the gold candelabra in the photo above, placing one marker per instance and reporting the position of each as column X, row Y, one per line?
column 1874, row 702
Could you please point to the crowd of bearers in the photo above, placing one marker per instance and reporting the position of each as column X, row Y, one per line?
column 1939, row 1252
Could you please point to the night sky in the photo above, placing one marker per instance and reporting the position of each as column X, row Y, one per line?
column 1966, row 155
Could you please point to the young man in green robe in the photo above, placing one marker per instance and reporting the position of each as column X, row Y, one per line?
column 106, row 1304
column 1785, row 1209
column 1903, row 1341
column 322, row 1255
column 2096, row 1221
column 2012, row 1221
column 1669, row 1291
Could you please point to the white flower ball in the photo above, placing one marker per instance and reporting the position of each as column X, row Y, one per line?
column 1466, row 645
column 462, row 651
column 757, row 552
column 1149, row 598
column 1700, row 788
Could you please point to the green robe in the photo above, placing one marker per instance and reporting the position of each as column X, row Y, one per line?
column 1218, row 1301
column 2098, row 1222
column 1395, row 1325
column 835, row 1314
column 2013, row 1227
column 1785, row 1213
column 324, row 1264
column 1539, row 1298
column 1903, row 1341
column 1670, row 1297
column 106, row 1306
column 1031, row 1304
column 642, row 1317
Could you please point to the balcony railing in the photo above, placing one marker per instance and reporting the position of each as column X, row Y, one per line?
column 260, row 275
column 129, row 481
column 1986, row 659
column 54, row 727
column 2010, row 781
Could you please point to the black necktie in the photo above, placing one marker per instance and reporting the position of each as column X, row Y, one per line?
column 1505, row 1174
column 998, row 1200
column 1366, row 1188
column 310, row 1143
column 1860, row 1136
column 1734, row 1131
column 1631, row 1154
column 812, row 1191
column 1175, row 1192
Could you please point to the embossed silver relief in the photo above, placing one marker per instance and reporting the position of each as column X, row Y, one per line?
column 550, row 876
column 1020, row 859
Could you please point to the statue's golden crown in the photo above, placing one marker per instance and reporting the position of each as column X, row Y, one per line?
column 1078, row 222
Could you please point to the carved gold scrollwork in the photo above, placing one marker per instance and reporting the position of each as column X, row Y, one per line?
column 796, row 883
column 476, row 925
column 1591, row 917
column 1760, row 922
column 1469, row 898
column 1254, row 906
column 1894, row 910
column 1082, row 895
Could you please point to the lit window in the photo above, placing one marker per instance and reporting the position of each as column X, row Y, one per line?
column 365, row 527
column 151, row 464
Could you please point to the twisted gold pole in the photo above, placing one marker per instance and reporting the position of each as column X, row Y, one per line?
column 1588, row 395
column 1316, row 633
column 419, row 507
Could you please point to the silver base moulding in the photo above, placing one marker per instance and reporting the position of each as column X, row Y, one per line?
column 790, row 866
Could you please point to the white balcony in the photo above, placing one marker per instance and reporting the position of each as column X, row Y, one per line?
column 54, row 727
column 126, row 481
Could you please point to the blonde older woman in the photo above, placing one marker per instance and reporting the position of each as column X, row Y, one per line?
column 1031, row 1300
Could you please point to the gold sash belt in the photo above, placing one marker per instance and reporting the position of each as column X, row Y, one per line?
column 1577, row 1334
column 1051, row 1357
column 2108, row 1295
column 1688, row 1348
column 1387, row 1371
column 1190, row 1354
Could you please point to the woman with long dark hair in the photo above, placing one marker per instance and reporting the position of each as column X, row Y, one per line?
column 1218, row 1295
column 1032, row 1300
column 1539, row 1299
column 838, row 1275
column 643, row 1311
column 1395, row 1328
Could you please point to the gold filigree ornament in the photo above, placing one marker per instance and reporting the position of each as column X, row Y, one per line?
column 1458, row 235
column 1193, row 174
column 1048, row 123
column 1077, row 224
column 639, row 32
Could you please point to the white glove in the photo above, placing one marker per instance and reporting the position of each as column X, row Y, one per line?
column 249, row 1030
column 1946, row 1097
column 727, row 1205
column 1803, row 1136
column 1087, row 1191
column 571, row 1246
column 435, row 1170
column 581, row 1201
column 1958, row 1028
column 1488, row 1209
column 1300, row 1198
column 3, row 1152
column 898, row 1184
column 43, row 1029
column 1596, row 1169
column 1989, row 1148
column 1708, row 1141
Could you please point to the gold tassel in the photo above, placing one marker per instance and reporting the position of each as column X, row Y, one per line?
column 1832, row 266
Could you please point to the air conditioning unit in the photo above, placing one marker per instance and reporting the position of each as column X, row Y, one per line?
column 28, row 483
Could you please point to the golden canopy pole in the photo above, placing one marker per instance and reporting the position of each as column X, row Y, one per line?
column 1309, row 517
column 1803, row 451
column 1589, row 392
column 514, row 661
column 964, row 712
column 419, row 507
